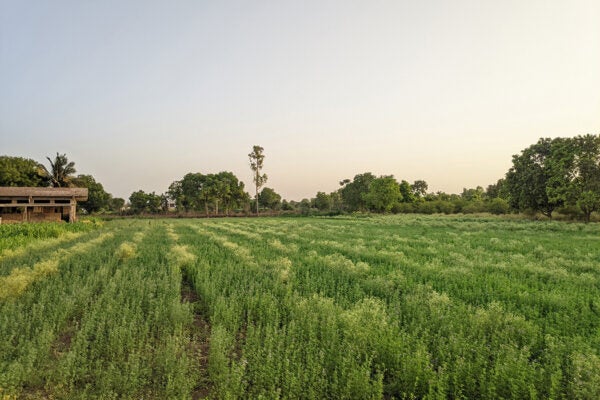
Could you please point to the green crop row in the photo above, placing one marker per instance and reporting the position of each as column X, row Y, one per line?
column 15, row 238
column 400, row 307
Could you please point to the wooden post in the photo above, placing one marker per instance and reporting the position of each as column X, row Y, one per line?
column 25, row 214
column 72, row 216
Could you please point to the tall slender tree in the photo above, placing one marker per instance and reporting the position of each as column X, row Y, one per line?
column 61, row 171
column 256, row 164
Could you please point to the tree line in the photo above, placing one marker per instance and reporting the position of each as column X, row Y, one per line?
column 553, row 175
column 560, row 175
column 212, row 194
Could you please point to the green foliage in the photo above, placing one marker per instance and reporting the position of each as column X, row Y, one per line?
column 61, row 171
column 323, row 201
column 257, row 159
column 18, row 171
column 375, row 307
column 588, row 202
column 419, row 188
column 267, row 198
column 498, row 189
column 15, row 236
column 557, row 172
column 98, row 198
column 472, row 194
column 141, row 202
column 116, row 203
column 383, row 193
column 200, row 192
column 353, row 192
column 498, row 206
column 407, row 194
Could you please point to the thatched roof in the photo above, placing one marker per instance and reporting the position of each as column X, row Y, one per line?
column 79, row 194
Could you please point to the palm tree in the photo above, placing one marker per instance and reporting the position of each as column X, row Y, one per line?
column 62, row 171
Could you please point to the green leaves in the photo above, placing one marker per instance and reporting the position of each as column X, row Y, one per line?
column 556, row 172
column 18, row 171
column 380, row 307
column 197, row 192
column 61, row 171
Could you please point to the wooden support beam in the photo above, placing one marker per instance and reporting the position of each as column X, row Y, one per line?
column 72, row 216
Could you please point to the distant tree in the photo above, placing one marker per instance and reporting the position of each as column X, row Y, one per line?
column 286, row 205
column 155, row 202
column 528, row 178
column 164, row 202
column 198, row 191
column 231, row 191
column 588, row 202
column 439, row 195
column 557, row 172
column 175, row 193
column 353, row 192
column 304, row 206
column 116, row 204
column 256, row 164
column 498, row 189
column 383, row 193
column 141, row 201
column 419, row 188
column 98, row 198
column 472, row 194
column 407, row 193
column 188, row 191
column 337, row 204
column 61, row 171
column 208, row 191
column 323, row 201
column 18, row 171
column 575, row 173
column 269, row 199
column 138, row 202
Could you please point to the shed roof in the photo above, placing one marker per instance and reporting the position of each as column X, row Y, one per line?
column 80, row 194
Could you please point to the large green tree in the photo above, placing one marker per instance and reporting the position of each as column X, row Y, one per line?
column 383, row 193
column 575, row 173
column 407, row 192
column 268, row 198
column 141, row 201
column 61, row 171
column 197, row 191
column 116, row 204
column 323, row 201
column 231, row 190
column 353, row 192
column 528, row 178
column 557, row 172
column 419, row 188
column 98, row 198
column 19, row 171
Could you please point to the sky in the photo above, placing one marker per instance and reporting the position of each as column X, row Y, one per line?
column 139, row 93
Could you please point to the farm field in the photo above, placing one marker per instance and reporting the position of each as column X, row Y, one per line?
column 394, row 307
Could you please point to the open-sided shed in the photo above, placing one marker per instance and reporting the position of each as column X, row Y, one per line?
column 38, row 204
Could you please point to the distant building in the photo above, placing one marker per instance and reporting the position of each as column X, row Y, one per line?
column 38, row 204
column 171, row 205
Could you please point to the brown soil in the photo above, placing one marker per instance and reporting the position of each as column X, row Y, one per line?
column 199, row 344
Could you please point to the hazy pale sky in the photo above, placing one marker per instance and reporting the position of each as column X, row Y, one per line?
column 138, row 93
